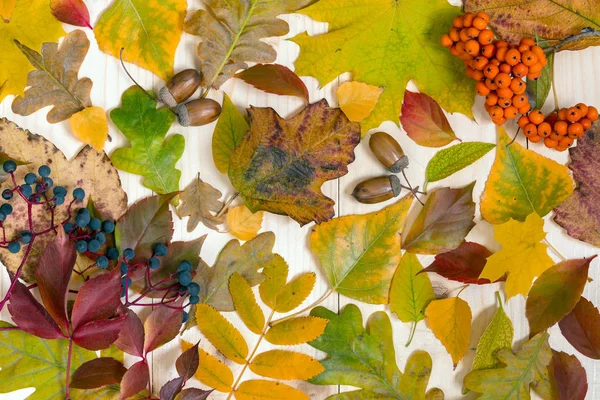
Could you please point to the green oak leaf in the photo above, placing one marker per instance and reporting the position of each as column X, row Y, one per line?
column 229, row 132
column 451, row 160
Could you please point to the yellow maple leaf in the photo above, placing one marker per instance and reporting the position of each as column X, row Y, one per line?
column 358, row 100
column 90, row 126
column 450, row 321
column 522, row 257
column 243, row 224
column 31, row 23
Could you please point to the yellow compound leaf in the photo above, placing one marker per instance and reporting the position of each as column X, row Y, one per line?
column 268, row 390
column 358, row 100
column 450, row 321
column 295, row 292
column 296, row 331
column 31, row 23
column 522, row 256
column 221, row 333
column 148, row 30
column 243, row 223
column 275, row 273
column 245, row 303
column 282, row 364
column 6, row 9
column 211, row 371
column 90, row 126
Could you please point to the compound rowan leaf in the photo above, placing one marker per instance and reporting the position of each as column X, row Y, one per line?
column 148, row 31
column 287, row 365
column 295, row 292
column 151, row 155
column 519, row 373
column 359, row 253
column 200, row 201
column 569, row 375
column 522, row 257
column 450, row 321
column 231, row 35
column 381, row 43
column 73, row 12
column 522, row 182
column 424, row 121
column 581, row 328
column 463, row 264
column 243, row 223
column 453, row 159
column 280, row 165
column 298, row 330
column 221, row 333
column 245, row 304
column 358, row 100
column 211, row 371
column 276, row 274
column 276, row 79
column 258, row 389
column 229, row 132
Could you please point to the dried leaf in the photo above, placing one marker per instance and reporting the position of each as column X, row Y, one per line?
column 463, row 264
column 424, row 121
column 135, row 380
column 571, row 379
column 283, row 364
column 211, row 371
column 358, row 100
column 245, row 304
column 98, row 372
column 298, row 330
column 200, row 201
column 267, row 390
column 229, row 132
column 90, row 126
column 243, row 223
column 581, row 328
column 73, row 12
column 162, row 326
column 276, row 79
column 453, row 159
column 221, row 333
column 450, row 320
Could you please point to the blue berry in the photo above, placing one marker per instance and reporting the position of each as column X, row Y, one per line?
column 68, row 227
column 108, row 226
column 39, row 188
column 126, row 281
column 124, row 268
column 2, row 216
column 112, row 253
column 30, row 178
column 26, row 237
column 81, row 246
column 82, row 220
column 102, row 262
column 153, row 263
column 83, row 211
column 93, row 245
column 185, row 278
column 6, row 208
column 95, row 224
column 26, row 190
column 48, row 183
column 128, row 254
column 160, row 249
column 79, row 194
column 7, row 194
column 44, row 171
column 184, row 266
column 9, row 166
column 194, row 289
column 185, row 317
column 100, row 237
column 194, row 299
column 59, row 200
column 14, row 247
column 60, row 191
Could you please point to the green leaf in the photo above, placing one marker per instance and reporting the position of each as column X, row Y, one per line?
column 411, row 292
column 229, row 132
column 150, row 155
column 521, row 370
column 28, row 361
column 451, row 160
column 539, row 89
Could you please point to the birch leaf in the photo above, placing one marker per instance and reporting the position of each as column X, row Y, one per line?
column 243, row 223
column 358, row 100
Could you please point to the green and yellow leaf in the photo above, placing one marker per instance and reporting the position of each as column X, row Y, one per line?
column 221, row 333
column 229, row 132
column 245, row 304
column 294, row 293
column 276, row 273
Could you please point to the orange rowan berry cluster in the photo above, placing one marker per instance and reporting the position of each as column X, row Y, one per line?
column 558, row 130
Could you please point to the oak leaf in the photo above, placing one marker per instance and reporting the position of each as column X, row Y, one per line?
column 276, row 79
column 358, row 100
column 243, row 223
column 450, row 320
column 73, row 12
column 581, row 328
column 229, row 132
column 463, row 264
column 200, row 202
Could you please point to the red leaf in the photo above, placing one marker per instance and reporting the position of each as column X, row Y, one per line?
column 97, row 373
column 194, row 394
column 131, row 337
column 462, row 265
column 424, row 121
column 99, row 335
column 73, row 12
column 162, row 325
column 276, row 79
column 187, row 363
column 53, row 274
column 30, row 315
column 570, row 376
column 97, row 299
column 581, row 328
column 135, row 380
column 172, row 388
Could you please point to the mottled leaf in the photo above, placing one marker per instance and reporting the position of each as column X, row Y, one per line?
column 539, row 89
column 287, row 365
column 228, row 134
column 424, row 121
column 162, row 326
column 450, row 321
column 73, row 12
column 453, row 159
column 463, row 264
column 211, row 371
column 257, row 389
column 221, row 333
column 298, row 330
column 98, row 372
column 358, row 100
column 90, row 126
column 245, row 304
column 581, row 328
column 243, row 223
column 569, row 375
column 135, row 380
column 200, row 202
column 276, row 79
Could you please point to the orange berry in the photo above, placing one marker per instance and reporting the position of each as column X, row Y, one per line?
column 525, row 109
column 529, row 58
column 454, row 51
column 503, row 80
column 522, row 121
column 491, row 99
column 523, row 48
column 454, row 34
column 480, row 23
column 592, row 113
column 520, row 100
column 573, row 115
column 468, row 19
column 464, row 35
column 483, row 16
column 550, row 143
column 481, row 89
column 511, row 112
column 505, row 68
column 506, row 93
column 562, row 114
column 530, row 130
column 586, row 123
column 495, row 62
column 560, row 148
column 479, row 63
column 518, row 86
column 539, row 52
column 534, row 77
column 566, row 142
column 527, row 41
column 469, row 72
column 501, row 53
column 520, row 70
column 460, row 47
column 551, row 118
column 536, row 117
column 473, row 33
column 513, row 57
column 490, row 84
column 583, row 109
column 488, row 50
column 446, row 41
column 472, row 47
column 487, row 107
column 490, row 71
column 504, row 102
column 502, row 44
column 486, row 37
column 561, row 128
column 535, row 139
column 458, row 22
column 544, row 129
column 575, row 130
column 496, row 112
column 535, row 68
column 499, row 121
column 478, row 75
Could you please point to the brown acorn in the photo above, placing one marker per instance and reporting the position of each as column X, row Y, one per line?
column 388, row 152
column 180, row 87
column 376, row 190
column 198, row 112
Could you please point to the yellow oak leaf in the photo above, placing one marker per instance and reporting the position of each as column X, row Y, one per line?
column 283, row 364
column 211, row 371
column 245, row 303
column 90, row 126
column 31, row 23
column 522, row 257
column 296, row 331
column 268, row 390
column 6, row 8
column 243, row 223
column 450, row 321
column 358, row 100
column 221, row 333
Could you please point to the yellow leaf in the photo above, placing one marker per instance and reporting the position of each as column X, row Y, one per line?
column 243, row 224
column 268, row 390
column 221, row 333
column 245, row 303
column 6, row 8
column 358, row 100
column 31, row 23
column 275, row 273
column 296, row 331
column 522, row 256
column 450, row 321
column 295, row 292
column 90, row 126
column 211, row 371
column 282, row 364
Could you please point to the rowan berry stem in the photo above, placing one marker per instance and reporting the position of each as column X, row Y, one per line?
column 585, row 33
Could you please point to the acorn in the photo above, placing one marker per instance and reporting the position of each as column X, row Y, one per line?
column 180, row 87
column 376, row 190
column 388, row 151
column 198, row 112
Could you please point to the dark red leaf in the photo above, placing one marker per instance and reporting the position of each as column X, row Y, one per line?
column 172, row 388
column 29, row 315
column 98, row 372
column 73, row 12
column 99, row 335
column 135, row 380
column 424, row 121
column 276, row 79
column 97, row 299
column 581, row 328
column 162, row 325
column 187, row 363
column 53, row 274
column 131, row 337
column 570, row 376
column 462, row 265
column 194, row 394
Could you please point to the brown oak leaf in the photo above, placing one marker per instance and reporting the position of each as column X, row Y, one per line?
column 200, row 201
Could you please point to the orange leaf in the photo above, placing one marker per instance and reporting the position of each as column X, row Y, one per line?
column 450, row 321
column 358, row 100
column 90, row 126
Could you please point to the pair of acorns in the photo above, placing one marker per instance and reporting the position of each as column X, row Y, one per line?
column 375, row 190
column 181, row 87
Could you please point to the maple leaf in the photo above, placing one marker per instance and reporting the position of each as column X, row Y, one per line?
column 280, row 165
column 200, row 201
column 382, row 43
column 450, row 320
column 231, row 34
column 522, row 257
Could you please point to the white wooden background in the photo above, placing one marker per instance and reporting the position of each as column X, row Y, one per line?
column 577, row 79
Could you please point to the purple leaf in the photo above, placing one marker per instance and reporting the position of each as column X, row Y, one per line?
column 194, row 394
column 135, row 380
column 276, row 79
column 162, row 325
column 97, row 373
column 131, row 337
column 53, row 274
column 463, row 264
column 99, row 335
column 571, row 379
column 97, row 299
column 187, row 363
column 172, row 388
column 581, row 328
column 30, row 315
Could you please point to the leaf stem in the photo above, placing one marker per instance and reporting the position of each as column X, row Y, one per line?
column 414, row 191
column 68, row 378
column 585, row 33
column 227, row 204
column 554, row 92
column 412, row 333
column 558, row 253
column 310, row 307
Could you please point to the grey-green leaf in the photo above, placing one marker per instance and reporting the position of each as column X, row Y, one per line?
column 538, row 90
column 451, row 160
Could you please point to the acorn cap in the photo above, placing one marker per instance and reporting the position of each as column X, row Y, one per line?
column 399, row 165
column 180, row 87
column 166, row 97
